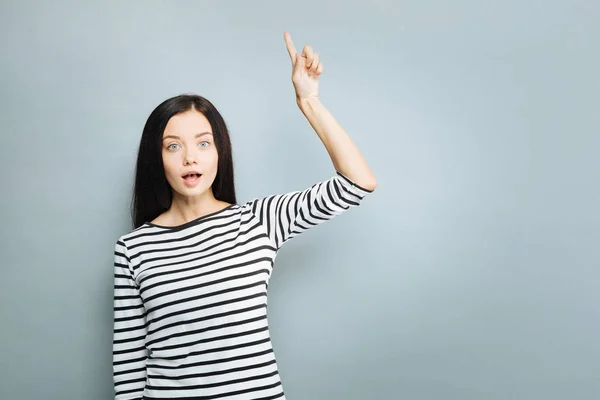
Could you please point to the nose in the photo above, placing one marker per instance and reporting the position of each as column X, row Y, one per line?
column 190, row 157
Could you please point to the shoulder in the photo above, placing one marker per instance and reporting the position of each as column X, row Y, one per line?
column 125, row 238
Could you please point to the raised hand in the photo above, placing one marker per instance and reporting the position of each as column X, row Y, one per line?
column 306, row 69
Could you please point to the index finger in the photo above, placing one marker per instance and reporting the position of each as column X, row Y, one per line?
column 290, row 46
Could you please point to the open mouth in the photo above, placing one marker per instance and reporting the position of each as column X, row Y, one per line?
column 191, row 177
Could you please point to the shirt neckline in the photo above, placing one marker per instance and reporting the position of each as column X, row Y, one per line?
column 192, row 222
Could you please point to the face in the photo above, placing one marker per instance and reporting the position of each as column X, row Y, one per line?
column 188, row 145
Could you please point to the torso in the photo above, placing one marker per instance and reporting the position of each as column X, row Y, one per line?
column 204, row 291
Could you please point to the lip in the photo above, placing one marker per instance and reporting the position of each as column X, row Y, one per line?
column 191, row 171
column 191, row 182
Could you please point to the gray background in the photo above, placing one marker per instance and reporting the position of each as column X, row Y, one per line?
column 472, row 272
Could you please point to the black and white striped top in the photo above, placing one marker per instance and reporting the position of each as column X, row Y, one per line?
column 190, row 301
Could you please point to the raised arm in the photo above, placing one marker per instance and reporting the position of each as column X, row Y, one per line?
column 287, row 215
column 344, row 154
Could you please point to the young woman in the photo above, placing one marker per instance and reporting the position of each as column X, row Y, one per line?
column 191, row 278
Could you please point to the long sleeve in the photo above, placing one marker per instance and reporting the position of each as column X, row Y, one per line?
column 287, row 215
column 129, row 331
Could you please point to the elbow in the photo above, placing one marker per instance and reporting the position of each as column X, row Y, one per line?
column 370, row 185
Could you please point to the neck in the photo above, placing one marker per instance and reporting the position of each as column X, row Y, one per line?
column 187, row 208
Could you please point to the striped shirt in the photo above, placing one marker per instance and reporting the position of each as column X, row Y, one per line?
column 190, row 301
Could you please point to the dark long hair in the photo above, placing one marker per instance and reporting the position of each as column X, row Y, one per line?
column 152, row 194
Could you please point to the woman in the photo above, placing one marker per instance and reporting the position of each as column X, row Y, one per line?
column 190, row 286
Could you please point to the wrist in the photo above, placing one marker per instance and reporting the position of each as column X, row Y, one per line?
column 307, row 102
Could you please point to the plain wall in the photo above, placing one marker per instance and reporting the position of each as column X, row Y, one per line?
column 472, row 272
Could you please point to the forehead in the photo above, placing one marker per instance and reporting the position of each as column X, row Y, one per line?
column 188, row 123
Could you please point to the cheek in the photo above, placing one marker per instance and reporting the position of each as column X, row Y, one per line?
column 171, row 171
column 212, row 160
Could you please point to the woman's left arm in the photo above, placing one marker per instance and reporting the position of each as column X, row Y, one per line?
column 344, row 154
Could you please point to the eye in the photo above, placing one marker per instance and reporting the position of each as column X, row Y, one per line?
column 204, row 141
column 173, row 144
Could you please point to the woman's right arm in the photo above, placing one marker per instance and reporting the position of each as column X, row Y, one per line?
column 129, row 330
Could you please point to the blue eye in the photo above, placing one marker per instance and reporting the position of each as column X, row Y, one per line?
column 170, row 147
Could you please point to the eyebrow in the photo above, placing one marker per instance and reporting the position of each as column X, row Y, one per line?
column 177, row 137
